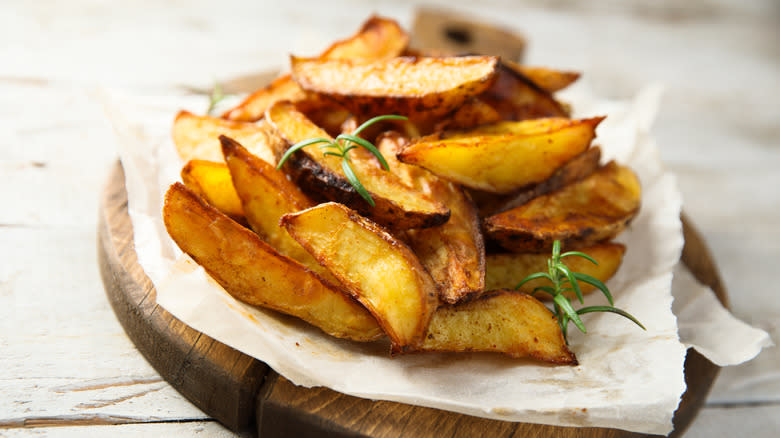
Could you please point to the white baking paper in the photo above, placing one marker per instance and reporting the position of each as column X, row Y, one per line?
column 627, row 378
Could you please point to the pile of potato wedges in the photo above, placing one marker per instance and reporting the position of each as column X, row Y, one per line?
column 485, row 174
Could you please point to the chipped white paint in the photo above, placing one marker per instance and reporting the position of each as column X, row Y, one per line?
column 64, row 359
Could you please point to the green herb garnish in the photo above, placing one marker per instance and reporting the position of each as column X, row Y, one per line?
column 564, row 280
column 340, row 147
column 216, row 97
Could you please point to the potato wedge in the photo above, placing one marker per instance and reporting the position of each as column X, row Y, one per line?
column 379, row 270
column 505, row 271
column 473, row 112
column 454, row 253
column 197, row 137
column 548, row 79
column 576, row 169
column 378, row 38
column 503, row 321
column 504, row 157
column 211, row 181
column 397, row 205
column 253, row 272
column 266, row 195
column 579, row 215
column 516, row 97
column 413, row 87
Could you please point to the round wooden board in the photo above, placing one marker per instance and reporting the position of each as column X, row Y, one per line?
column 243, row 393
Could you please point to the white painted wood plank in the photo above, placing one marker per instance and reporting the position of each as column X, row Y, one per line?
column 753, row 422
column 204, row 429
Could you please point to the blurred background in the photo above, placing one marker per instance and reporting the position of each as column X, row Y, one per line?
column 64, row 359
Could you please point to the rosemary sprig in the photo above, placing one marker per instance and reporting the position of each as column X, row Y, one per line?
column 340, row 147
column 217, row 96
column 565, row 280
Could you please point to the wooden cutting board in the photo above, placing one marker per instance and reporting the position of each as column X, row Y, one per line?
column 244, row 394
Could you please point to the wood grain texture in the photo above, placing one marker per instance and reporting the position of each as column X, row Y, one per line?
column 224, row 382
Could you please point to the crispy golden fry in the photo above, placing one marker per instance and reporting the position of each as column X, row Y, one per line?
column 379, row 270
column 548, row 79
column 515, row 97
column 397, row 205
column 326, row 114
column 211, row 181
column 576, row 169
column 413, row 87
column 253, row 272
column 579, row 215
column 505, row 271
column 500, row 321
column 197, row 137
column 503, row 157
column 378, row 38
column 266, row 195
column 454, row 253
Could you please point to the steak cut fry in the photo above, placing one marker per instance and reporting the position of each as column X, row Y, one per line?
column 579, row 215
column 454, row 253
column 253, row 272
column 503, row 321
column 503, row 157
column 378, row 38
column 505, row 271
column 211, row 181
column 379, row 270
column 197, row 137
column 397, row 205
column 266, row 195
column 413, row 87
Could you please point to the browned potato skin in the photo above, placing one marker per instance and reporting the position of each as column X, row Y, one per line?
column 473, row 112
column 548, row 79
column 503, row 157
column 211, row 181
column 501, row 321
column 197, row 137
column 516, row 97
column 266, row 195
column 378, row 38
column 253, row 272
column 323, row 175
column 576, row 169
column 507, row 270
column 579, row 215
column 454, row 253
column 409, row 86
column 379, row 270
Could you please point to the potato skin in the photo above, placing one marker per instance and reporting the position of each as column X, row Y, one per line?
column 378, row 270
column 579, row 215
column 502, row 321
column 405, row 85
column 516, row 97
column 548, row 79
column 253, row 272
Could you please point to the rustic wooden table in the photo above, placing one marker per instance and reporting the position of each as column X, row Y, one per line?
column 64, row 359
